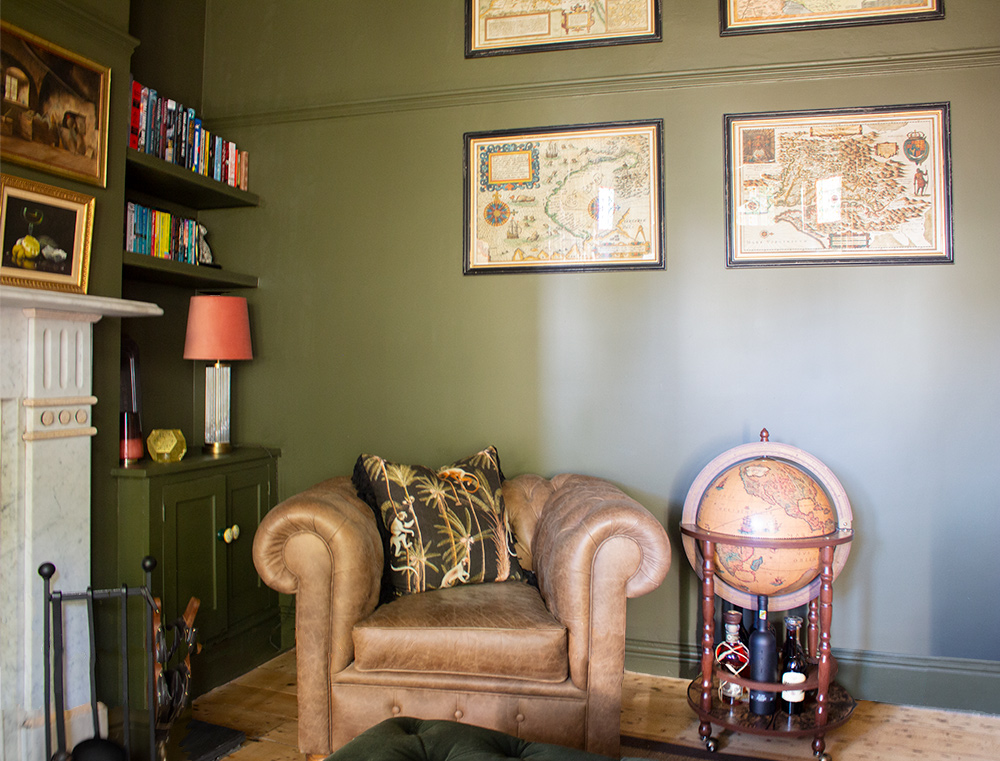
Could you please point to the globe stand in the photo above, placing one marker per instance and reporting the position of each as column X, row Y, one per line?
column 833, row 705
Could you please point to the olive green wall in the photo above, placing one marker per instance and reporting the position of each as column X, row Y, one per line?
column 369, row 338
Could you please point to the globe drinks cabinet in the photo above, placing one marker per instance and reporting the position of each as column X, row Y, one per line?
column 767, row 525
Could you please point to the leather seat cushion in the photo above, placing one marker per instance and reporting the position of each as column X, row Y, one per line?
column 496, row 629
column 407, row 739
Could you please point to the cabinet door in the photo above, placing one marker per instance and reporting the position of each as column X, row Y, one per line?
column 194, row 512
column 249, row 501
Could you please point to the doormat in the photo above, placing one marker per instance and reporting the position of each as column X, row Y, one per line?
column 637, row 749
column 209, row 742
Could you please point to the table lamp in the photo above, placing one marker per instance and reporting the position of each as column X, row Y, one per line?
column 218, row 330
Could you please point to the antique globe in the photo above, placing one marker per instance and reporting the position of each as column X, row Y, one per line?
column 766, row 491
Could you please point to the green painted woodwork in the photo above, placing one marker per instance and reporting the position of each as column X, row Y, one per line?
column 194, row 561
column 174, row 512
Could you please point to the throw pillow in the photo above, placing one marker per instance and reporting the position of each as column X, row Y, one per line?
column 442, row 527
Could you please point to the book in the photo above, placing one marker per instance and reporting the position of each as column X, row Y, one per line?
column 135, row 115
column 153, row 124
column 143, row 118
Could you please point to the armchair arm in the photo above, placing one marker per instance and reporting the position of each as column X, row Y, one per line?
column 324, row 547
column 593, row 547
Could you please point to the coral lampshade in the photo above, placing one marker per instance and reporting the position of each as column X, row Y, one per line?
column 218, row 327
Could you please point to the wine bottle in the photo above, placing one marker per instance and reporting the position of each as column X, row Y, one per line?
column 793, row 666
column 733, row 656
column 763, row 662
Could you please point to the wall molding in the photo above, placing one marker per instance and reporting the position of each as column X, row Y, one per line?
column 911, row 63
column 82, row 20
column 961, row 684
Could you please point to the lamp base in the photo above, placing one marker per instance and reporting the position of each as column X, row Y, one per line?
column 217, row 448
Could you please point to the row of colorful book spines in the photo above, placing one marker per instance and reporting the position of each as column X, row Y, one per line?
column 166, row 129
column 160, row 234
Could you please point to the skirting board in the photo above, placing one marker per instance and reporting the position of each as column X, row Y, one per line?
column 958, row 684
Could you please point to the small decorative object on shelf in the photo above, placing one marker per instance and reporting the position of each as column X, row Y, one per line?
column 166, row 445
column 733, row 656
column 131, row 403
column 793, row 666
column 763, row 661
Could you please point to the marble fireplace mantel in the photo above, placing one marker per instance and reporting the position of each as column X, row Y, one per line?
column 46, row 401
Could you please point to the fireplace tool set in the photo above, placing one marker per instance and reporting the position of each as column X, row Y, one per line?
column 166, row 688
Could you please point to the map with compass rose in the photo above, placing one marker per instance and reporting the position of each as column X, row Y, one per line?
column 859, row 185
column 565, row 198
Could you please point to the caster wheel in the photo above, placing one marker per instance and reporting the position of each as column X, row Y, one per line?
column 711, row 744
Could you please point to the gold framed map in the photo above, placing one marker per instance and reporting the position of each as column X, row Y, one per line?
column 839, row 186
column 752, row 16
column 572, row 198
column 499, row 27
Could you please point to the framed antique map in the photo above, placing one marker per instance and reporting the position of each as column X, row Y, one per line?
column 498, row 27
column 840, row 186
column 751, row 16
column 564, row 198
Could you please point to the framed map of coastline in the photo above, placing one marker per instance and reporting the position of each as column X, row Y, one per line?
column 499, row 27
column 584, row 197
column 752, row 16
column 839, row 186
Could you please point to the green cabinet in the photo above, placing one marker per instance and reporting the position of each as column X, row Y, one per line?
column 198, row 518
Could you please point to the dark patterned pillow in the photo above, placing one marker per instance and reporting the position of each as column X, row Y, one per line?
column 443, row 527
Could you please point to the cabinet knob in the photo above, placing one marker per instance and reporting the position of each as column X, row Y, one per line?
column 228, row 535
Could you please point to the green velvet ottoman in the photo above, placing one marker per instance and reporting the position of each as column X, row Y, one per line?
column 405, row 739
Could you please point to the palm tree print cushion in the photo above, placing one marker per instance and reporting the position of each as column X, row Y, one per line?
column 442, row 527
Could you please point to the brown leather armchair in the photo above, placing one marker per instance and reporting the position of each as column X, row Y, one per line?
column 542, row 664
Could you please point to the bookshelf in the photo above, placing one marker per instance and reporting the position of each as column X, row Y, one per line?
column 155, row 177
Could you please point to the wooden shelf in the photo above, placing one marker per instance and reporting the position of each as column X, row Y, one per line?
column 153, row 270
column 152, row 175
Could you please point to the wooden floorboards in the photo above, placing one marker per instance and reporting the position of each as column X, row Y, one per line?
column 262, row 705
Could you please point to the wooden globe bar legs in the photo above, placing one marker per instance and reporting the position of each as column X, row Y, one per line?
column 707, row 640
column 833, row 704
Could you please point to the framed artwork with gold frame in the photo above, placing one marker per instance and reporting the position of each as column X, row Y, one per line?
column 865, row 185
column 572, row 198
column 754, row 16
column 525, row 26
column 45, row 235
column 55, row 108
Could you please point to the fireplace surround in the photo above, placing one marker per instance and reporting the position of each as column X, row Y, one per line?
column 46, row 425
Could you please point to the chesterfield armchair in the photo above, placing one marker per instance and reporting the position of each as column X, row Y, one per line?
column 543, row 663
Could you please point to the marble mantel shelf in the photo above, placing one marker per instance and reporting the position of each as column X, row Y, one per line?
column 32, row 298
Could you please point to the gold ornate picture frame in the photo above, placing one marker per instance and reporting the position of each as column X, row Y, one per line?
column 572, row 198
column 524, row 26
column 45, row 236
column 755, row 16
column 55, row 108
column 839, row 186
